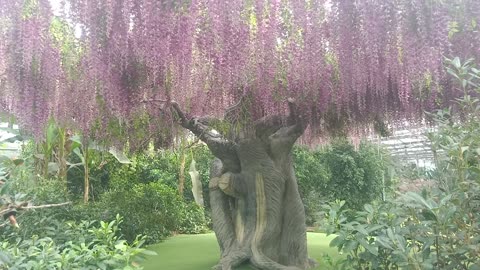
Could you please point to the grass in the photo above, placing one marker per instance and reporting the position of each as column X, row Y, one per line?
column 200, row 252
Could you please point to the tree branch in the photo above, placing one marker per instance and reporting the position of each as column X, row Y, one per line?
column 232, row 184
column 295, row 120
column 222, row 148
column 154, row 100
column 283, row 139
column 44, row 206
column 26, row 207
column 269, row 125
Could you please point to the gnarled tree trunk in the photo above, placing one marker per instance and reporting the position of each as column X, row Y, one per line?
column 257, row 212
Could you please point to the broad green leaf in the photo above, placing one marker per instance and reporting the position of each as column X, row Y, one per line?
column 374, row 228
column 349, row 246
column 79, row 154
column 371, row 248
column 18, row 161
column 419, row 199
column 337, row 241
column 456, row 62
column 361, row 229
column 384, row 243
column 429, row 215
column 77, row 139
column 368, row 208
column 120, row 156
column 4, row 258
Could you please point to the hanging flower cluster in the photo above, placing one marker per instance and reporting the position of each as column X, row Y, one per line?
column 345, row 61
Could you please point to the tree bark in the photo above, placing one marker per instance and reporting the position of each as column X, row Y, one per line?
column 257, row 212
column 181, row 173
column 86, row 176
column 62, row 158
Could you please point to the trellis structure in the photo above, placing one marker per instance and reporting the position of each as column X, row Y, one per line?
column 410, row 145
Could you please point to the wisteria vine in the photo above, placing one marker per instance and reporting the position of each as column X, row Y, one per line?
column 345, row 61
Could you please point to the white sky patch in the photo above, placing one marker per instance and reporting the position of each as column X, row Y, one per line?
column 56, row 8
column 57, row 11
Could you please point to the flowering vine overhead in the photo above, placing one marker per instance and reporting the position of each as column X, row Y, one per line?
column 348, row 60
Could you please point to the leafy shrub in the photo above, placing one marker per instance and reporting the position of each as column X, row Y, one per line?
column 193, row 219
column 160, row 166
column 439, row 231
column 152, row 209
column 456, row 143
column 355, row 176
column 338, row 171
column 203, row 159
column 90, row 245
column 312, row 178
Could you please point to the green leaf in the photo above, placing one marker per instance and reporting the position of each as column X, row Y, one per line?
column 18, row 161
column 475, row 170
column 10, row 130
column 337, row 241
column 4, row 258
column 361, row 229
column 121, row 246
column 453, row 73
column 102, row 265
column 120, row 156
column 374, row 228
column 77, row 139
column 475, row 266
column 368, row 208
column 429, row 215
column 10, row 138
column 79, row 154
column 456, row 62
column 419, row 199
column 383, row 243
column 372, row 249
column 349, row 246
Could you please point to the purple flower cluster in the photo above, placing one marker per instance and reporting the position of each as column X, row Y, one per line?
column 348, row 61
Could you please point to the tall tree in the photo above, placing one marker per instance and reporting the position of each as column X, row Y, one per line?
column 257, row 71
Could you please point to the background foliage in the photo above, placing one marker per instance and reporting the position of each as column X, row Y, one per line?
column 439, row 228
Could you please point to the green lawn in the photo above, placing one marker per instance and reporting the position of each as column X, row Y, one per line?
column 200, row 252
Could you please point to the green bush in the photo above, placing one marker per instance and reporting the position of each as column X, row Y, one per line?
column 203, row 159
column 193, row 219
column 440, row 228
column 89, row 245
column 159, row 171
column 152, row 209
column 160, row 166
column 312, row 178
column 456, row 143
column 430, row 231
column 355, row 176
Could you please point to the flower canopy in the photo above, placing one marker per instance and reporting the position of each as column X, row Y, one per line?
column 98, row 66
